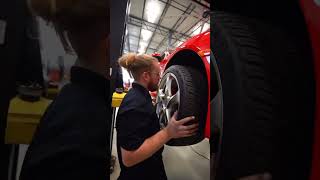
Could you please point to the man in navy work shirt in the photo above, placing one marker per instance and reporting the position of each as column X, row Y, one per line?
column 72, row 139
column 140, row 140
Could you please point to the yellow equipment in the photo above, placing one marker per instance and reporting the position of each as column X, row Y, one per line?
column 117, row 99
column 23, row 118
column 116, row 102
column 52, row 92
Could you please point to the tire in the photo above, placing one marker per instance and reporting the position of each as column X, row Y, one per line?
column 268, row 99
column 193, row 99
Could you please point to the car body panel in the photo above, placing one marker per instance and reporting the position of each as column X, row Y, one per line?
column 311, row 11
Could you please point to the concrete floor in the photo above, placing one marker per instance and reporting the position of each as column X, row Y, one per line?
column 116, row 172
column 22, row 152
column 188, row 162
column 181, row 163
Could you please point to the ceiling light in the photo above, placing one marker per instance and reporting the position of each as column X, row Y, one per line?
column 153, row 10
column 142, row 47
column 205, row 27
column 180, row 42
column 197, row 29
column 146, row 34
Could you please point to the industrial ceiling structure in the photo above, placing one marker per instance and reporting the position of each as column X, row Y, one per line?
column 161, row 25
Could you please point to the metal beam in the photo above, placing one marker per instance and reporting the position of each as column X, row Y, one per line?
column 175, row 24
column 182, row 10
column 153, row 25
column 185, row 18
column 139, row 24
column 175, row 6
column 202, row 26
column 197, row 28
column 201, row 4
column 192, row 27
column 144, row 6
column 159, row 22
column 131, row 35
column 128, row 42
column 166, row 34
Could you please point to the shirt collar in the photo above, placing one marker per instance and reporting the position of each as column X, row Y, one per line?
column 91, row 80
column 138, row 86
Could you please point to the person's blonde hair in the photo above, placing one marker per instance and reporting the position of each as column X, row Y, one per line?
column 73, row 15
column 136, row 64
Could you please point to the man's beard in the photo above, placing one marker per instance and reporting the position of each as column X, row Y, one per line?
column 152, row 87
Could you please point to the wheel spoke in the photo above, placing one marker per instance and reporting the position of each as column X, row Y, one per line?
column 168, row 98
column 168, row 86
column 163, row 117
column 161, row 95
column 161, row 98
column 174, row 100
column 168, row 117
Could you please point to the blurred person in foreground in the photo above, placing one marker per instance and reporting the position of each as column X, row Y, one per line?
column 71, row 141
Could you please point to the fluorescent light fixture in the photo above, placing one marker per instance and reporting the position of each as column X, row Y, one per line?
column 153, row 10
column 146, row 34
column 141, row 51
column 180, row 42
column 129, row 8
column 196, row 30
column 206, row 27
column 142, row 47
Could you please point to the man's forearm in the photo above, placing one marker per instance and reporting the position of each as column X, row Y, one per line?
column 146, row 150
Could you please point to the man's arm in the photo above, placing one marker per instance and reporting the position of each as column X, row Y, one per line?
column 151, row 145
column 146, row 150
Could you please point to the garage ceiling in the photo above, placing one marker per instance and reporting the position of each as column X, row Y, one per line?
column 159, row 25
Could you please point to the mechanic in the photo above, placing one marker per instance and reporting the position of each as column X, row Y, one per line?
column 139, row 138
column 71, row 141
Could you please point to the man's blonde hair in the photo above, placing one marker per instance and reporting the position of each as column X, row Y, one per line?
column 136, row 64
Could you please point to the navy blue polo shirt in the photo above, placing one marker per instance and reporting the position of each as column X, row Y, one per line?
column 71, row 141
column 137, row 121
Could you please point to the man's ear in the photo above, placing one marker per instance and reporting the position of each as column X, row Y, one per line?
column 145, row 76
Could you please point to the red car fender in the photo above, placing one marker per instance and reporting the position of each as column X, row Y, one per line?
column 311, row 12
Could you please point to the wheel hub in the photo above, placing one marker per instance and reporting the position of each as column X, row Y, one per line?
column 168, row 98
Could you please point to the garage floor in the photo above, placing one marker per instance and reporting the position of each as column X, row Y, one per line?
column 181, row 163
column 188, row 163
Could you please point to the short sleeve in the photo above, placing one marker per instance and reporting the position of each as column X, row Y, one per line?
column 131, row 127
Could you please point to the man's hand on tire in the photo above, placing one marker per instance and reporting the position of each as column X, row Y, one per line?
column 177, row 129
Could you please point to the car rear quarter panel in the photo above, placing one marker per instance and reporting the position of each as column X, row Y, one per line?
column 311, row 11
